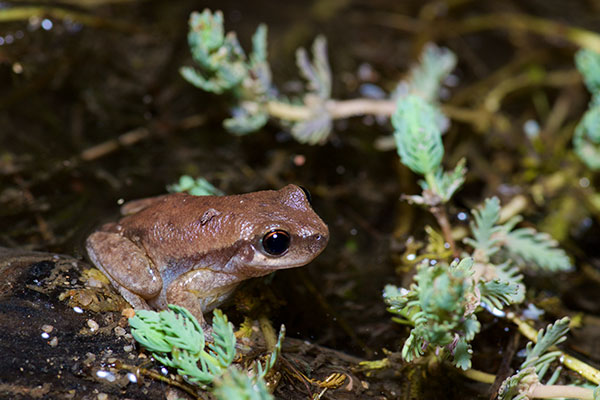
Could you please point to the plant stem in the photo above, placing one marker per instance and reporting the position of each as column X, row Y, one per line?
column 268, row 332
column 439, row 212
column 478, row 376
column 587, row 371
column 339, row 109
column 538, row 391
column 354, row 107
column 554, row 391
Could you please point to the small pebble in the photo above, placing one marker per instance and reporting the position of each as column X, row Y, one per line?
column 120, row 331
column 132, row 378
column 128, row 313
column 47, row 328
column 53, row 342
column 102, row 396
column 89, row 357
column 127, row 348
column 93, row 325
column 85, row 299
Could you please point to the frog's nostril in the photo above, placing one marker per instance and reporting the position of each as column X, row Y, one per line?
column 320, row 240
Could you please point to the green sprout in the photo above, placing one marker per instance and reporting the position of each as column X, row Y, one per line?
column 224, row 67
column 176, row 340
column 524, row 245
column 442, row 303
column 418, row 137
column 441, row 307
column 419, row 124
column 586, row 139
column 437, row 306
column 526, row 383
column 426, row 77
column 196, row 187
column 236, row 385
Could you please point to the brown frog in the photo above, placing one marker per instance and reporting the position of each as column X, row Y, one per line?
column 193, row 251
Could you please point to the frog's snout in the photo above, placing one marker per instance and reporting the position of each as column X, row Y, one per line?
column 318, row 242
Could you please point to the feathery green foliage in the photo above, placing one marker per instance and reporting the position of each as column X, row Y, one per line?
column 317, row 74
column 445, row 183
column 441, row 307
column 523, row 244
column 586, row 139
column 538, row 355
column 498, row 292
column 426, row 77
column 537, row 361
column 588, row 64
column 176, row 339
column 222, row 66
column 484, row 229
column 196, row 187
column 236, row 385
column 418, row 137
column 220, row 56
column 437, row 306
column 419, row 123
column 536, row 248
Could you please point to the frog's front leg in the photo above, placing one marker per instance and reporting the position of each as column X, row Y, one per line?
column 200, row 291
column 127, row 267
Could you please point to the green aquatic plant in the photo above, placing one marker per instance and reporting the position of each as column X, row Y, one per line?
column 176, row 340
column 438, row 306
column 586, row 139
column 236, row 385
column 196, row 187
column 525, row 246
column 222, row 66
column 526, row 383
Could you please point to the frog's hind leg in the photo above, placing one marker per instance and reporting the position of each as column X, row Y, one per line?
column 127, row 267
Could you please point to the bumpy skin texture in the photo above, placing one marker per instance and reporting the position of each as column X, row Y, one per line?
column 194, row 250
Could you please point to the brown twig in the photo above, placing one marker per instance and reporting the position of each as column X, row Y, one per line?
column 155, row 375
column 25, row 13
column 125, row 140
column 439, row 212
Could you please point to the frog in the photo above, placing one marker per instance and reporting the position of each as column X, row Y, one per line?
column 193, row 251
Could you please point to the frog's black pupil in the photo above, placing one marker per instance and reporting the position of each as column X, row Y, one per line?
column 307, row 193
column 276, row 242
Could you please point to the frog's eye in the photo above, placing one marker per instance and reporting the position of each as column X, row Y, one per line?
column 276, row 242
column 307, row 194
